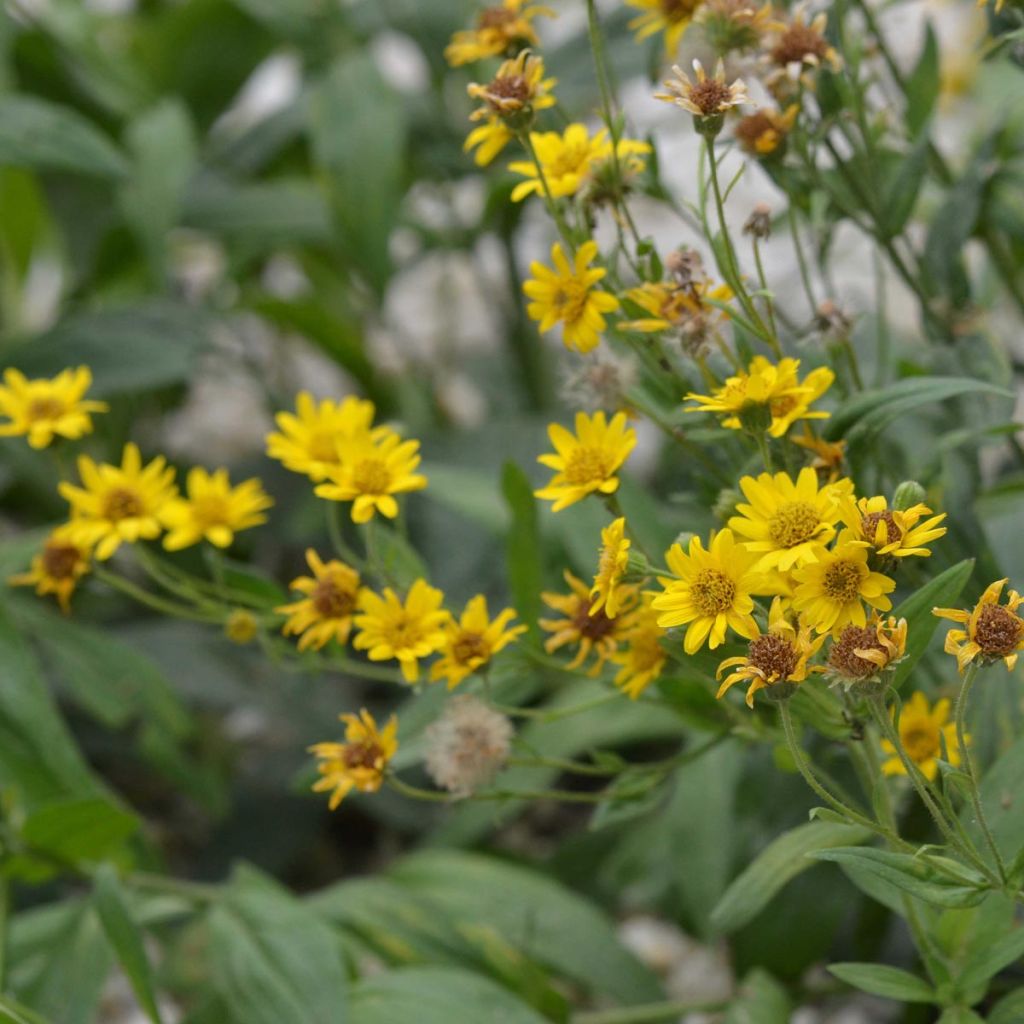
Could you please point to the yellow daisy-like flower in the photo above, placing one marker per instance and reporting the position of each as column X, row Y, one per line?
column 711, row 591
column 517, row 89
column 471, row 641
column 764, row 132
column 777, row 657
column 567, row 296
column 118, row 504
column 922, row 729
column 829, row 592
column 312, row 439
column 612, row 564
column 213, row 511
column 501, row 28
column 895, row 532
column 325, row 613
column 587, row 462
column 43, row 409
column 372, row 473
column 787, row 523
column 642, row 658
column 405, row 631
column 860, row 653
column 592, row 633
column 569, row 160
column 488, row 139
column 57, row 568
column 730, row 25
column 672, row 17
column 799, row 45
column 360, row 762
column 705, row 97
column 672, row 306
column 994, row 631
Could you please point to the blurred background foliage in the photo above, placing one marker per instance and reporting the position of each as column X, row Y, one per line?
column 214, row 203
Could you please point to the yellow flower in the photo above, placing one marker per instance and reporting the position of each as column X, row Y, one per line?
column 588, row 461
column 672, row 17
column 643, row 658
column 828, row 455
column 994, row 631
column 118, row 503
column 312, row 438
column 860, row 653
column 767, row 390
column 613, row 560
column 489, row 139
column 711, row 591
column 358, row 763
column 214, row 510
column 569, row 159
column 705, row 97
column 57, row 568
column 472, row 641
column 503, row 27
column 673, row 306
column 325, row 613
column 567, row 296
column 763, row 132
column 43, row 409
column 593, row 633
column 517, row 89
column 406, row 631
column 922, row 730
column 892, row 532
column 734, row 24
column 371, row 473
column 778, row 656
column 786, row 523
column 829, row 591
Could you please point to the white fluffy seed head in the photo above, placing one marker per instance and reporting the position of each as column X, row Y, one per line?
column 467, row 746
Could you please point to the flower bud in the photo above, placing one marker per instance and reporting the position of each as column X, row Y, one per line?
column 241, row 626
column 908, row 494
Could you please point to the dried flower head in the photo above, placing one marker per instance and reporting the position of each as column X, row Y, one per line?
column 860, row 653
column 832, row 320
column 706, row 98
column 601, row 381
column 517, row 90
column 759, row 223
column 796, row 47
column 467, row 746
column 994, row 631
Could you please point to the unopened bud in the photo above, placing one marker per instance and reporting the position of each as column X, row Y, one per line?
column 241, row 626
column 759, row 223
column 908, row 494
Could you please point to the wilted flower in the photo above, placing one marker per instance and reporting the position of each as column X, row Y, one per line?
column 517, row 90
column 860, row 653
column 994, row 631
column 467, row 746
column 706, row 98
column 759, row 223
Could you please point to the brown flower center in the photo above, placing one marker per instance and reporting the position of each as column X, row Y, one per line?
column 365, row 754
column 510, row 87
column 45, row 409
column 798, row 43
column 998, row 631
column 592, row 627
column 678, row 10
column 841, row 581
column 121, row 504
column 793, row 523
column 331, row 600
column 712, row 592
column 469, row 646
column 774, row 655
column 892, row 532
column 710, row 96
column 60, row 560
column 843, row 660
column 750, row 131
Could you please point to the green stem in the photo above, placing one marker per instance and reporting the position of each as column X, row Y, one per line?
column 805, row 277
column 554, row 212
column 151, row 600
column 768, row 301
column 334, row 531
column 649, row 1013
column 766, row 453
column 193, row 892
column 970, row 675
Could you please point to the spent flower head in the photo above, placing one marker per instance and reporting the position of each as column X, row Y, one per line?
column 861, row 653
column 706, row 98
column 467, row 746
column 517, row 90
column 993, row 630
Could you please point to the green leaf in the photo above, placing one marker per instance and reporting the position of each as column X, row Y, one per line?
column 358, row 132
column 988, row 960
column 393, row 555
column 923, row 84
column 548, row 922
column 14, row 1013
column 468, row 491
column 272, row 959
column 128, row 349
column 125, row 938
column 81, row 831
column 43, row 135
column 903, row 188
column 1009, row 1009
column 436, row 995
column 1001, row 789
column 911, row 874
column 781, row 860
column 761, row 1000
column 523, row 545
column 889, row 982
column 960, row 1015
column 940, row 592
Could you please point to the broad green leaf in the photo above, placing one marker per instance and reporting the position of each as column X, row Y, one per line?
column 904, row 187
column 781, row 860
column 988, row 960
column 128, row 349
column 912, row 875
column 923, row 84
column 272, row 959
column 523, row 546
column 548, row 922
column 881, row 980
column 436, row 995
column 761, row 1000
column 79, row 831
column 1009, row 1009
column 125, row 938
column 940, row 592
column 43, row 135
